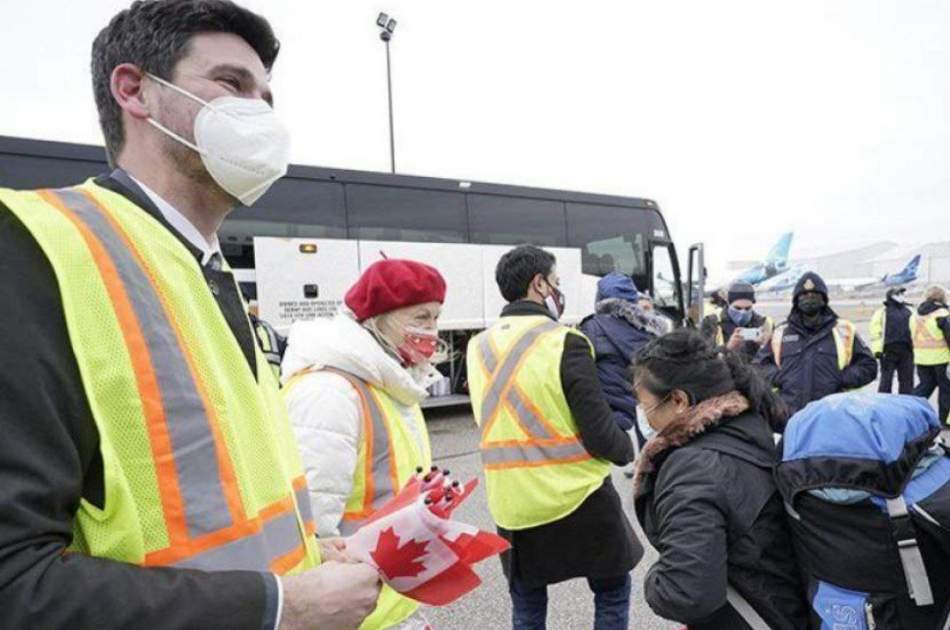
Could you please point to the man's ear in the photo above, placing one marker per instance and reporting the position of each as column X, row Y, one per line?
column 128, row 86
column 536, row 284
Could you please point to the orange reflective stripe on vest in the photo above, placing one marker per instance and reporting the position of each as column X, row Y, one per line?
column 201, row 502
column 379, row 464
column 923, row 339
column 544, row 445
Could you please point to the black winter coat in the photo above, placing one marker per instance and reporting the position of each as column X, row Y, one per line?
column 897, row 337
column 713, row 512
column 810, row 363
column 596, row 540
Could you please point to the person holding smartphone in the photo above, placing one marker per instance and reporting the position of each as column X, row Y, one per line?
column 737, row 327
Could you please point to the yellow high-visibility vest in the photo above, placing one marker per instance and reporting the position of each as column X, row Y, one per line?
column 200, row 465
column 387, row 458
column 878, row 326
column 536, row 469
column 844, row 334
column 930, row 346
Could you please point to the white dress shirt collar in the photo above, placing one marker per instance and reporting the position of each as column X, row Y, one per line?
column 185, row 227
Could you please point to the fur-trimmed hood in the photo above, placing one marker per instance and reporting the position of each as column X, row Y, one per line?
column 701, row 417
column 634, row 315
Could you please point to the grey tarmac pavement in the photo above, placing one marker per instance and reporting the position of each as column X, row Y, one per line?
column 454, row 446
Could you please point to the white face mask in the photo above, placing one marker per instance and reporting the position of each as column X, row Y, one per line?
column 643, row 424
column 241, row 141
column 645, row 429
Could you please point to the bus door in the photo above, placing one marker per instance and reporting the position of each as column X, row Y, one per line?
column 665, row 280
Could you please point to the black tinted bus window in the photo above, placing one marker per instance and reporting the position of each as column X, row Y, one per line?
column 384, row 213
column 295, row 207
column 291, row 208
column 611, row 238
column 27, row 172
column 499, row 220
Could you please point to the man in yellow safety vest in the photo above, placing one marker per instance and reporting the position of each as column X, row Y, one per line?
column 930, row 328
column 150, row 475
column 548, row 439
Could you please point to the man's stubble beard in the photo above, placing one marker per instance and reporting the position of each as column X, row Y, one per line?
column 186, row 161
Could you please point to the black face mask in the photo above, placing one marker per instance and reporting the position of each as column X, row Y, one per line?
column 810, row 305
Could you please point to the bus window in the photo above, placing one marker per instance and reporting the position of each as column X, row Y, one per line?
column 291, row 208
column 665, row 294
column 296, row 207
column 384, row 213
column 500, row 220
column 35, row 172
column 611, row 238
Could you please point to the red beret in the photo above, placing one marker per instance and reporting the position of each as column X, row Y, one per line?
column 390, row 284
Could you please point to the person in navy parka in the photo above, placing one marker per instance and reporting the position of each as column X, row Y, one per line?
column 815, row 353
column 618, row 329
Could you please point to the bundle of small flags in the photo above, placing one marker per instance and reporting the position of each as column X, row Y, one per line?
column 417, row 548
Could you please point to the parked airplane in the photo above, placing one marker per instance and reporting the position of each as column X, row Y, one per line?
column 775, row 262
column 787, row 281
column 907, row 275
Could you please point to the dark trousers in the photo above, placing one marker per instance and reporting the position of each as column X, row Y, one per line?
column 611, row 604
column 933, row 377
column 902, row 362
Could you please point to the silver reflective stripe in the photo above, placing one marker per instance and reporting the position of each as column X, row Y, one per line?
column 499, row 377
column 532, row 453
column 302, row 497
column 278, row 537
column 488, row 355
column 193, row 446
column 915, row 572
column 529, row 421
column 745, row 609
column 382, row 484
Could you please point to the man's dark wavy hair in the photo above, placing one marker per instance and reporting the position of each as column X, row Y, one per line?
column 155, row 35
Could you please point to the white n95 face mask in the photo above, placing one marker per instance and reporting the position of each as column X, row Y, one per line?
column 241, row 141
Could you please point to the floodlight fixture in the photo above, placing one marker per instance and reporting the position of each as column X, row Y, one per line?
column 391, row 25
column 381, row 20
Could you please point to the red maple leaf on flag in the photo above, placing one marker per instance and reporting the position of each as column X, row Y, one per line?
column 395, row 561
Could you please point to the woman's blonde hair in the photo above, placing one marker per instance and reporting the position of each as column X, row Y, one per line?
column 936, row 293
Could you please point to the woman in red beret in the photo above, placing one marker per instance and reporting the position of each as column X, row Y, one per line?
column 353, row 386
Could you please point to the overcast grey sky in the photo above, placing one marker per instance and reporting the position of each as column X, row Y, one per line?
column 741, row 118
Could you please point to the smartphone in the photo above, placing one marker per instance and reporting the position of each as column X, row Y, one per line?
column 750, row 334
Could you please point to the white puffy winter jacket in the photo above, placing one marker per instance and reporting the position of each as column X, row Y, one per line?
column 325, row 410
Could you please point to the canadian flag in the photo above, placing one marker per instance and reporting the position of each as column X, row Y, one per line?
column 416, row 547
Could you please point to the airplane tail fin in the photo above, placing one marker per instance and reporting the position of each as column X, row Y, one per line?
column 912, row 266
column 779, row 253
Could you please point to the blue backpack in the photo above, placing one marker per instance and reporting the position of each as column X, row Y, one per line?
column 866, row 484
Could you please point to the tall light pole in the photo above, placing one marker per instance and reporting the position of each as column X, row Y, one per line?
column 387, row 26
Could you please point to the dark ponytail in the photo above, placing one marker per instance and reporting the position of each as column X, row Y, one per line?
column 686, row 361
